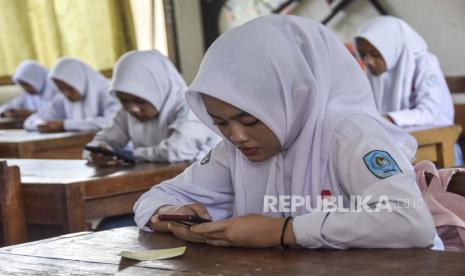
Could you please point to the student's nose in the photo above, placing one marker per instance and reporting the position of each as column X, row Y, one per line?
column 66, row 93
column 134, row 108
column 369, row 61
column 238, row 133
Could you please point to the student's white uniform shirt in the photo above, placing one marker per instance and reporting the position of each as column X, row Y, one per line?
column 176, row 134
column 93, row 111
column 212, row 185
column 299, row 80
column 34, row 74
column 413, row 91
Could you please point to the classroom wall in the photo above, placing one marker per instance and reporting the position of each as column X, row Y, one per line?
column 8, row 92
column 440, row 22
column 443, row 28
column 190, row 36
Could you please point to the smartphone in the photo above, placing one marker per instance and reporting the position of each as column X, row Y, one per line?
column 185, row 220
column 126, row 157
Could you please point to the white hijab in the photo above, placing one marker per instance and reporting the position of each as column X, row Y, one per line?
column 299, row 80
column 399, row 45
column 34, row 74
column 89, row 83
column 152, row 77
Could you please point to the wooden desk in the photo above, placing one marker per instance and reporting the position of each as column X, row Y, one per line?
column 67, row 193
column 437, row 144
column 11, row 123
column 27, row 144
column 96, row 253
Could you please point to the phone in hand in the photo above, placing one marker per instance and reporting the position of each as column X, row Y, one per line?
column 126, row 157
column 184, row 220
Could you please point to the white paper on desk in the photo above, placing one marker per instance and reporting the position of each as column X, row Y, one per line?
column 151, row 255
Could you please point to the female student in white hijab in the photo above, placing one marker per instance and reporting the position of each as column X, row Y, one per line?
column 38, row 90
column 299, row 124
column 155, row 116
column 407, row 81
column 85, row 104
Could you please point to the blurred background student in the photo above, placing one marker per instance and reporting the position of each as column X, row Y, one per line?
column 84, row 105
column 38, row 90
column 155, row 117
column 407, row 81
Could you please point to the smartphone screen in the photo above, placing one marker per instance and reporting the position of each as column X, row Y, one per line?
column 121, row 155
column 185, row 220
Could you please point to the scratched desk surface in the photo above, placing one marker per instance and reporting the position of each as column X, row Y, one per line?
column 96, row 253
column 19, row 143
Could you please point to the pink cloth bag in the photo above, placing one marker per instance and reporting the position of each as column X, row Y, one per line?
column 448, row 209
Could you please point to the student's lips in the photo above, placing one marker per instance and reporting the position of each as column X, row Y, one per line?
column 249, row 151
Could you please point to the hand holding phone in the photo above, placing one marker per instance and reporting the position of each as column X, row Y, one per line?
column 180, row 230
column 105, row 156
column 184, row 220
column 194, row 209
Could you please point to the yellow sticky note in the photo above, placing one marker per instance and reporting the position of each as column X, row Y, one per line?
column 157, row 254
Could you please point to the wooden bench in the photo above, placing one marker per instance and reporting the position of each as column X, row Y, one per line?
column 11, row 205
column 436, row 144
column 457, row 88
column 456, row 84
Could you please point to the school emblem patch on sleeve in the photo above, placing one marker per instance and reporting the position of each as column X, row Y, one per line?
column 381, row 164
column 432, row 80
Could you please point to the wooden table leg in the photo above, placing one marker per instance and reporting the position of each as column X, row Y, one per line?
column 448, row 153
column 75, row 206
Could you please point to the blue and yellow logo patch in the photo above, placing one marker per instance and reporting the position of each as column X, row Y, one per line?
column 381, row 164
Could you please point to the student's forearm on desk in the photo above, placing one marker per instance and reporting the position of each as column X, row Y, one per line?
column 90, row 124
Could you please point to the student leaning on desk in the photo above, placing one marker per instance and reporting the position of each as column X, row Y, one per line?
column 155, row 117
column 300, row 127
column 83, row 105
column 38, row 90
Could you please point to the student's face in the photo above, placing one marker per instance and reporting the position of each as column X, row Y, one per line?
column 27, row 87
column 371, row 57
column 67, row 90
column 252, row 137
column 141, row 109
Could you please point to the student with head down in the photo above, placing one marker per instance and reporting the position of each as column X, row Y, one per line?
column 407, row 81
column 38, row 90
column 300, row 126
column 155, row 117
column 85, row 104
column 409, row 87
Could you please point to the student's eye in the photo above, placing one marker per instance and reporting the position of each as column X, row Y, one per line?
column 250, row 122
column 220, row 124
column 375, row 54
